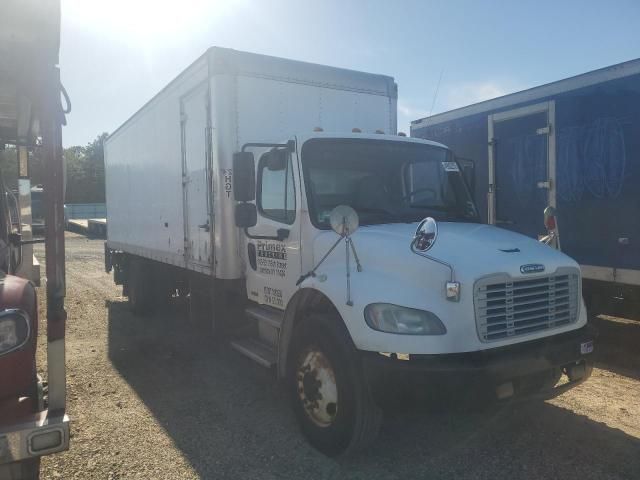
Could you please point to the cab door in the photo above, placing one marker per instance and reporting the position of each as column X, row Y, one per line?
column 273, row 264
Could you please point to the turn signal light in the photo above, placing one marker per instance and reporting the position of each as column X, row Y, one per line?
column 41, row 442
column 550, row 218
column 550, row 223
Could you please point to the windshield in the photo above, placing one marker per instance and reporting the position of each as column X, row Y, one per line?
column 384, row 181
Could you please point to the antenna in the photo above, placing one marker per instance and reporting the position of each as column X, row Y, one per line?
column 435, row 95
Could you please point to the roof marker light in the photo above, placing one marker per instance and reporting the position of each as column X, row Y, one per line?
column 402, row 134
column 356, row 130
column 318, row 129
column 380, row 131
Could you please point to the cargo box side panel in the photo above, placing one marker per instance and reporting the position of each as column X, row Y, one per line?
column 143, row 162
column 256, row 98
column 251, row 109
column 598, row 173
column 271, row 109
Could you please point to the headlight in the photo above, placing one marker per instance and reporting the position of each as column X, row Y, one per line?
column 14, row 330
column 389, row 318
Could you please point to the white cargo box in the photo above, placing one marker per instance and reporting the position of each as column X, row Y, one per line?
column 169, row 167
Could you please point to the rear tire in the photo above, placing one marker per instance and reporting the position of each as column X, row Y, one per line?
column 331, row 398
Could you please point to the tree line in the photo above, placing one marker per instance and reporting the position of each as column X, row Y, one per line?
column 84, row 170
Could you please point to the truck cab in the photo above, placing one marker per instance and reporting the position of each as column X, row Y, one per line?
column 276, row 196
column 416, row 284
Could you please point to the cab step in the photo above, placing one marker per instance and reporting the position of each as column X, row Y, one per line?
column 268, row 315
column 257, row 350
column 269, row 321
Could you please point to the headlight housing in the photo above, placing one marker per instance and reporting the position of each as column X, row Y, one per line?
column 389, row 318
column 14, row 330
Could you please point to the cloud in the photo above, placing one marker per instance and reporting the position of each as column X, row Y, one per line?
column 452, row 96
column 467, row 93
column 408, row 112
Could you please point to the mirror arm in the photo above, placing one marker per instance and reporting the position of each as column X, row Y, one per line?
column 16, row 240
column 33, row 241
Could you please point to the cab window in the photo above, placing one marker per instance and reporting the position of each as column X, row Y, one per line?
column 276, row 191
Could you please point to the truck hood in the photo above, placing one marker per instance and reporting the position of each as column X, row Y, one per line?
column 392, row 273
column 473, row 250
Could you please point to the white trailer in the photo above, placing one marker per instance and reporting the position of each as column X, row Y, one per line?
column 243, row 183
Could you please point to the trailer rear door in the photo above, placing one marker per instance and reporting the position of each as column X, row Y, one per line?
column 521, row 168
column 196, row 177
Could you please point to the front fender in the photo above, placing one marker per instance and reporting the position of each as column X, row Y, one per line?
column 374, row 285
column 305, row 296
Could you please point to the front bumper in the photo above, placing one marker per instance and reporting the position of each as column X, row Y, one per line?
column 37, row 435
column 523, row 369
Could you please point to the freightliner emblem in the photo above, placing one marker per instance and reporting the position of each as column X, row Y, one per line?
column 532, row 268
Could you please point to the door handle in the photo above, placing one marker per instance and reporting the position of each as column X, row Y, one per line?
column 205, row 226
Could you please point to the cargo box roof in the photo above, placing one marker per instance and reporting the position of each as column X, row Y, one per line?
column 220, row 60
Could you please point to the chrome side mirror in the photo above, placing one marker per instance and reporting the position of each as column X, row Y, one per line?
column 550, row 218
column 550, row 223
column 426, row 235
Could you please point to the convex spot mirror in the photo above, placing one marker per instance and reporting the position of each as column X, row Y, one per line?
column 344, row 220
column 425, row 235
column 277, row 159
column 244, row 177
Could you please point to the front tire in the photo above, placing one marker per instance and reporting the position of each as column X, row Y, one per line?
column 331, row 398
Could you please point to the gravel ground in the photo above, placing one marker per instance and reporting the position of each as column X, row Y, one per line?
column 152, row 398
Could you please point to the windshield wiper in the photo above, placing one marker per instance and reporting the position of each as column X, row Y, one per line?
column 370, row 216
column 449, row 214
column 431, row 207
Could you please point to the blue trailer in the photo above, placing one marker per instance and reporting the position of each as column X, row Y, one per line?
column 573, row 144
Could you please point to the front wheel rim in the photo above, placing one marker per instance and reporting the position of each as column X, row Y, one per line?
column 317, row 387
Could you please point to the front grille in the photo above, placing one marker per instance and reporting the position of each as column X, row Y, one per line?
column 506, row 307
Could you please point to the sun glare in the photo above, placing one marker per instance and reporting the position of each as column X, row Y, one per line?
column 143, row 20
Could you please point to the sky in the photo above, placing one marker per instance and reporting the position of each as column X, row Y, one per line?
column 116, row 54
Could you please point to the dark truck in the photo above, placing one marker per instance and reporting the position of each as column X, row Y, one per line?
column 33, row 421
column 573, row 145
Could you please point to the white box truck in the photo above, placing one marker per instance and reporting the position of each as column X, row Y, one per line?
column 347, row 257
